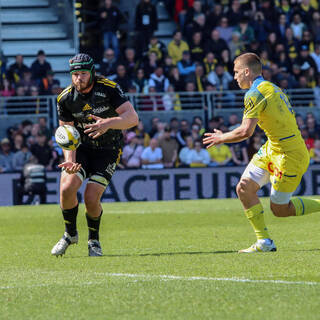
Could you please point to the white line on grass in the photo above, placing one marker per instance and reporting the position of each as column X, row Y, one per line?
column 149, row 277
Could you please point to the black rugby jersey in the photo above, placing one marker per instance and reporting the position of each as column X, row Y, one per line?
column 104, row 98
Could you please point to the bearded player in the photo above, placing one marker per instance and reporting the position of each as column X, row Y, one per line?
column 282, row 160
column 99, row 109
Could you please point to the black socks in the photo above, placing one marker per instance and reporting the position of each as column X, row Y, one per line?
column 93, row 226
column 70, row 220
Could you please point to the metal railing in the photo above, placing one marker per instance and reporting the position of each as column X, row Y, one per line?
column 204, row 104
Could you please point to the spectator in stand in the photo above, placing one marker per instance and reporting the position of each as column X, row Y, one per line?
column 304, row 60
column 171, row 99
column 27, row 82
column 281, row 26
column 269, row 11
column 255, row 143
column 220, row 155
column 40, row 66
column 15, row 105
column 183, row 133
column 307, row 139
column 130, row 62
column 291, row 44
column 185, row 65
column 174, row 127
column 311, row 126
column 220, row 78
column 236, row 46
column 198, row 25
column 180, row 11
column 305, row 8
column 198, row 120
column 20, row 158
column 16, row 70
column 142, row 135
column 195, row 131
column 47, row 83
column 18, row 141
column 246, row 31
column 225, row 30
column 307, row 39
column 214, row 16
column 168, row 65
column 43, row 127
column 215, row 44
column 184, row 154
column 297, row 26
column 196, row 47
column 315, row 26
column 316, row 57
column 176, row 47
column 131, row 156
column 140, row 81
column 41, row 150
column 6, row 88
column 122, row 79
column 198, row 157
column 300, row 122
column 234, row 13
column 154, row 125
column 192, row 13
column 315, row 152
column 209, row 63
column 150, row 64
column 109, row 63
column 146, row 23
column 239, row 153
column 157, row 47
column 176, row 80
column 158, row 80
column 226, row 61
column 199, row 78
column 6, row 156
column 110, row 18
column 152, row 156
column 169, row 147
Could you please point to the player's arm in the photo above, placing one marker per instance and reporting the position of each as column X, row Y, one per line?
column 69, row 163
column 243, row 132
column 127, row 118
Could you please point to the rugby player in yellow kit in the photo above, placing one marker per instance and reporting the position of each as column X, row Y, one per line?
column 282, row 160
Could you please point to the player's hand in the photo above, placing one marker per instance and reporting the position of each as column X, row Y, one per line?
column 212, row 139
column 70, row 167
column 95, row 130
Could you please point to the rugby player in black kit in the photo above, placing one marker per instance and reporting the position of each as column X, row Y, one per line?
column 99, row 109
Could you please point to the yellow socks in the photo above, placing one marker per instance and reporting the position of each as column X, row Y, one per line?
column 305, row 206
column 256, row 218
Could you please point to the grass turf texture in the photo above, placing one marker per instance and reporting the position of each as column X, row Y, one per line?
column 144, row 245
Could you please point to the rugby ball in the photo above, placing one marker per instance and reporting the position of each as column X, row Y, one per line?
column 67, row 137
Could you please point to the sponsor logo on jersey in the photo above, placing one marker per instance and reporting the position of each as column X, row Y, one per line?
column 100, row 109
column 86, row 108
column 100, row 94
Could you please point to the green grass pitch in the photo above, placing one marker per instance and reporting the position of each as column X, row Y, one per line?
column 162, row 260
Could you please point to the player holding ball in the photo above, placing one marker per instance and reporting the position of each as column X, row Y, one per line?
column 99, row 110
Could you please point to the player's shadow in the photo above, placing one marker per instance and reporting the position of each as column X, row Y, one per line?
column 160, row 254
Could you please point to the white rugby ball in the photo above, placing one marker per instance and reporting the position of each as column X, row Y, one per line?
column 67, row 137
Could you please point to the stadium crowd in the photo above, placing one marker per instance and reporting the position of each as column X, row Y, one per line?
column 165, row 145
column 286, row 35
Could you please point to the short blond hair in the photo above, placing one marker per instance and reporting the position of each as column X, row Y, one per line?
column 251, row 61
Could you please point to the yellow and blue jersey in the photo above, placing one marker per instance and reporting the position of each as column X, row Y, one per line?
column 270, row 105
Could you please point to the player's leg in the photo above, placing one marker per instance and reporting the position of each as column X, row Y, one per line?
column 291, row 168
column 251, row 181
column 69, row 185
column 103, row 165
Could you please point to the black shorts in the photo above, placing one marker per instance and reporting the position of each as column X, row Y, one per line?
column 97, row 165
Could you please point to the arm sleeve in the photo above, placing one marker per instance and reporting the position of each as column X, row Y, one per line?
column 63, row 113
column 118, row 97
column 254, row 104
